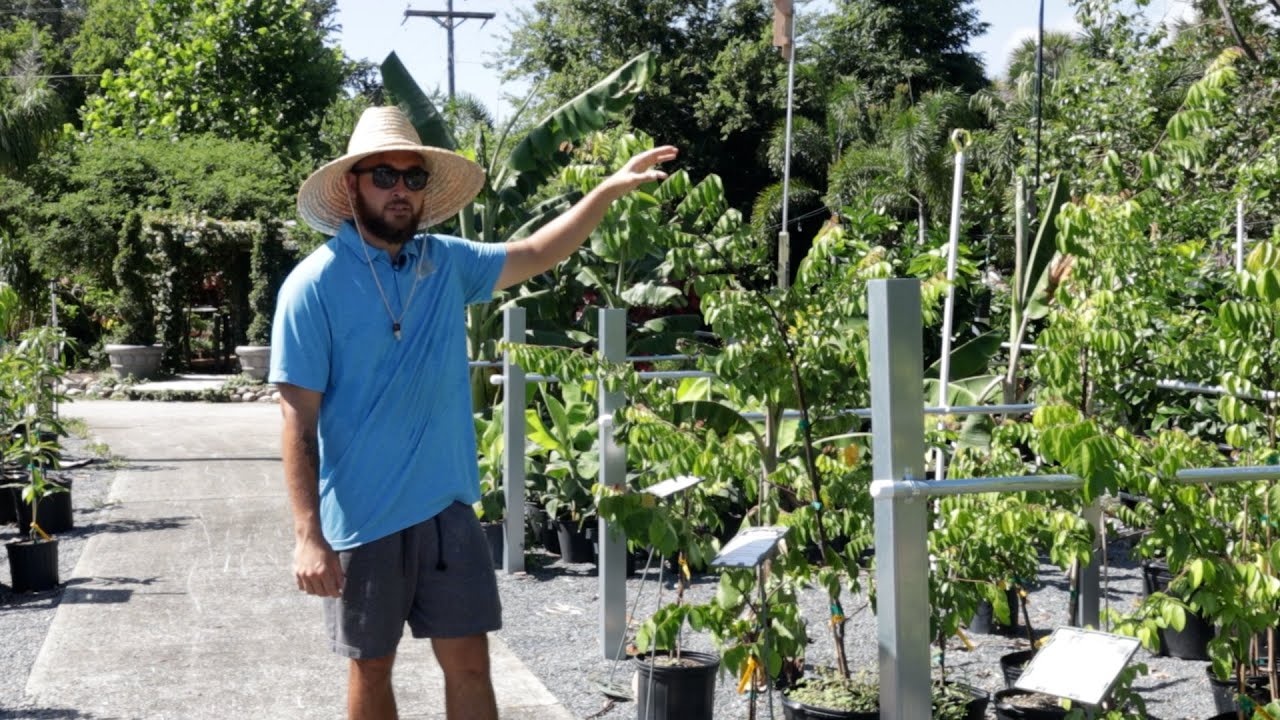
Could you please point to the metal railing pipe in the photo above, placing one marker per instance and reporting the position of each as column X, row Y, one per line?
column 911, row 488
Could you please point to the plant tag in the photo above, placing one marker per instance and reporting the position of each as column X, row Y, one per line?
column 750, row 547
column 674, row 485
column 1080, row 665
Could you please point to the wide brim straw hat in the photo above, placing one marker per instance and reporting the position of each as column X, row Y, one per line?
column 454, row 180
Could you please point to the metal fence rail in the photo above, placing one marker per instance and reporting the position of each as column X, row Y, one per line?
column 901, row 531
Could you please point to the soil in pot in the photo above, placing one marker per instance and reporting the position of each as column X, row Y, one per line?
column 984, row 619
column 1012, row 665
column 33, row 566
column 1014, row 704
column 824, row 695
column 1224, row 691
column 681, row 688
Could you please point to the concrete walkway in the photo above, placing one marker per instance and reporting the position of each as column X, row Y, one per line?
column 188, row 609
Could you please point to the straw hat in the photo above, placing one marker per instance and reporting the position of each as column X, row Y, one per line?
column 454, row 181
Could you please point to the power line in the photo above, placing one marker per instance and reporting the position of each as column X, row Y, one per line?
column 46, row 77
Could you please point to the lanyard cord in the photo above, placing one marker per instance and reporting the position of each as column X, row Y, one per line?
column 417, row 275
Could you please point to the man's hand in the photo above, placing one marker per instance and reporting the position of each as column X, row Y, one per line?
column 559, row 238
column 638, row 171
column 317, row 569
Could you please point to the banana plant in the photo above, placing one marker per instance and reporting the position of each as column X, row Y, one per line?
column 508, row 206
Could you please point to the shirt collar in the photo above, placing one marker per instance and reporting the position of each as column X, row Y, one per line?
column 351, row 240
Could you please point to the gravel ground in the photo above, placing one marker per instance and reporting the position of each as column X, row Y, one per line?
column 25, row 619
column 551, row 616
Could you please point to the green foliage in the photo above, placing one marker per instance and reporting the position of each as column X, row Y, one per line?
column 244, row 69
column 136, row 324
column 269, row 263
column 29, row 371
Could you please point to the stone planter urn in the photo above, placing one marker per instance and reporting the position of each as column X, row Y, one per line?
column 140, row 361
column 255, row 360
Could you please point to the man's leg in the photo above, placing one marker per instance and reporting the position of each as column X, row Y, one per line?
column 468, row 690
column 369, row 694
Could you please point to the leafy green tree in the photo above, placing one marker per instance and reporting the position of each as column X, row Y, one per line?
column 919, row 44
column 244, row 69
column 107, row 36
column 89, row 189
column 717, row 69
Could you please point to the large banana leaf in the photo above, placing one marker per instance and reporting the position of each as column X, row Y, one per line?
column 541, row 154
column 428, row 121
column 1036, row 278
column 970, row 358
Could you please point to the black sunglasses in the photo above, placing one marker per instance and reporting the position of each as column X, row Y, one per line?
column 385, row 177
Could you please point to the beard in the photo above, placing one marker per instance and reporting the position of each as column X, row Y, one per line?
column 393, row 230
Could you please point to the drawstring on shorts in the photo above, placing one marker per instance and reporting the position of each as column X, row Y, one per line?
column 440, row 563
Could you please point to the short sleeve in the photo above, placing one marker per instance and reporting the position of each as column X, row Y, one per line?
column 300, row 335
column 478, row 267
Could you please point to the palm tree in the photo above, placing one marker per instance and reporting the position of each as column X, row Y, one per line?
column 29, row 117
column 1010, row 106
column 904, row 166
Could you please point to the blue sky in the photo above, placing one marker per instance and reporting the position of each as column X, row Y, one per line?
column 373, row 28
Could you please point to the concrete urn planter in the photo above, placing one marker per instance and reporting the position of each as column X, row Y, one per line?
column 255, row 360
column 140, row 361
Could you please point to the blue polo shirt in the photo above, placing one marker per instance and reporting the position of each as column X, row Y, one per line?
column 397, row 442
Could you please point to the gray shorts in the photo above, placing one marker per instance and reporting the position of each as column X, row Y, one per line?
column 437, row 576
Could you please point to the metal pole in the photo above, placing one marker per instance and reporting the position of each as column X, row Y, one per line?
column 901, row 531
column 612, row 544
column 784, row 235
column 449, row 8
column 513, row 441
column 959, row 139
column 1240, row 235
column 1090, row 574
column 1039, row 87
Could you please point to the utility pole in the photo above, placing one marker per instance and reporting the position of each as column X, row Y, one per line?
column 449, row 20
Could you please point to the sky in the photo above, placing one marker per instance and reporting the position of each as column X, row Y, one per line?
column 373, row 28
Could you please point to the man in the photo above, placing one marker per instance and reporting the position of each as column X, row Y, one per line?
column 369, row 354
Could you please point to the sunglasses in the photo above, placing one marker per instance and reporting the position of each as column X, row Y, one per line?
column 385, row 177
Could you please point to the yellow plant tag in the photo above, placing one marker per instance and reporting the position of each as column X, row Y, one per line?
column 684, row 568
column 968, row 644
column 851, row 455
column 39, row 530
column 747, row 673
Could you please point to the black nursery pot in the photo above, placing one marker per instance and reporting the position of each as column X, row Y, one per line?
column 984, row 619
column 494, row 533
column 54, row 513
column 677, row 692
column 1012, row 665
column 575, row 542
column 1224, row 691
column 1005, row 710
column 795, row 710
column 33, row 566
column 1192, row 642
column 975, row 709
column 10, row 499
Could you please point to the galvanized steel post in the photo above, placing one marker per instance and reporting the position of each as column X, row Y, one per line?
column 513, row 440
column 612, row 546
column 897, row 451
column 1090, row 575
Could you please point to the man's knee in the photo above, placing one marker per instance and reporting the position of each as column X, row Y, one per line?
column 373, row 669
column 463, row 656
